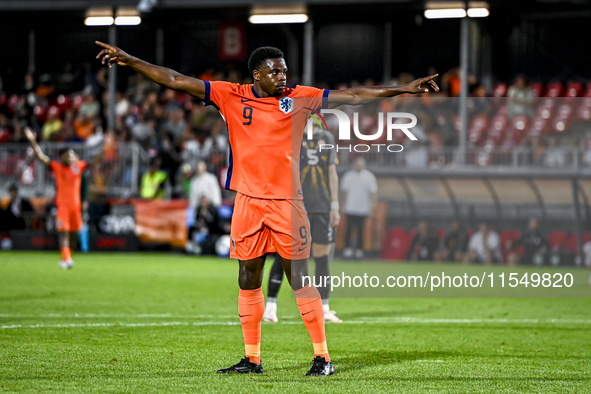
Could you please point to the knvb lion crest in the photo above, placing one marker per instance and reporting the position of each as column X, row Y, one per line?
column 286, row 104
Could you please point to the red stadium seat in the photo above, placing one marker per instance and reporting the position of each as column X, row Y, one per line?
column 503, row 109
column 457, row 123
column 587, row 92
column 483, row 157
column 564, row 111
column 509, row 235
column 396, row 244
column 557, row 240
column 561, row 120
column 538, row 127
column 512, row 138
column 63, row 102
column 572, row 244
column 54, row 110
column 584, row 110
column 40, row 112
column 12, row 101
column 573, row 89
column 537, row 88
column 519, row 122
column 4, row 134
column 546, row 108
column 477, row 129
column 500, row 90
column 554, row 90
column 77, row 102
column 516, row 130
column 497, row 128
column 559, row 125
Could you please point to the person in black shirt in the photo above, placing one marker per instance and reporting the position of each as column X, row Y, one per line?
column 424, row 244
column 454, row 244
column 13, row 216
column 534, row 244
column 207, row 228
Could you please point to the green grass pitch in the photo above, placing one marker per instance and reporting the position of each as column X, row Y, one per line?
column 164, row 323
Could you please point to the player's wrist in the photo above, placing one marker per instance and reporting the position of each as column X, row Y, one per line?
column 334, row 206
column 405, row 88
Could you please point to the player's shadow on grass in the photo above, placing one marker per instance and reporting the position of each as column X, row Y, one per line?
column 384, row 357
column 382, row 314
column 366, row 359
column 28, row 297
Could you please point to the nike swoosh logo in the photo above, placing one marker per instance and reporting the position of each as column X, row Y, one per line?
column 245, row 100
column 303, row 314
column 243, row 315
column 299, row 250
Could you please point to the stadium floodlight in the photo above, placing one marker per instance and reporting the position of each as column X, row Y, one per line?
column 478, row 9
column 103, row 16
column 456, row 9
column 445, row 13
column 288, row 13
column 99, row 16
column 478, row 12
column 127, row 16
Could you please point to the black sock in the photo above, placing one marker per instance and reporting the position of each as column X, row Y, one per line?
column 275, row 278
column 321, row 272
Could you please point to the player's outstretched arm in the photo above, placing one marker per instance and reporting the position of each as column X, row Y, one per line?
column 36, row 148
column 360, row 94
column 161, row 75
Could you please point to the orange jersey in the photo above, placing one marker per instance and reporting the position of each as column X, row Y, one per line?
column 68, row 180
column 265, row 136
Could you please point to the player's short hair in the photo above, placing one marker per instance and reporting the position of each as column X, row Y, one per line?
column 259, row 55
column 61, row 151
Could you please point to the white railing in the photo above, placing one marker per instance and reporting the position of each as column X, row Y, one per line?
column 572, row 158
column 121, row 168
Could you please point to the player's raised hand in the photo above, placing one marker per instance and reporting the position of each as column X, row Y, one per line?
column 112, row 54
column 334, row 217
column 30, row 134
column 418, row 85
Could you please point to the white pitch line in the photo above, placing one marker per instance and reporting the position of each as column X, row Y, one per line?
column 375, row 320
column 467, row 321
column 116, row 316
column 235, row 323
column 88, row 325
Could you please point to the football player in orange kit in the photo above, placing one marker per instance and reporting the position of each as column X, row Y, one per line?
column 265, row 129
column 68, row 178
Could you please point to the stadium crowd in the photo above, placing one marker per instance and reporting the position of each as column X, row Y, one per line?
column 484, row 245
column 72, row 107
column 187, row 142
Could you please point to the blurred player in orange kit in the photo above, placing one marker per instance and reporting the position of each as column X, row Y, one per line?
column 266, row 126
column 68, row 177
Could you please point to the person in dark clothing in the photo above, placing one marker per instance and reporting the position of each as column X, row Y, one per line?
column 207, row 228
column 534, row 244
column 454, row 244
column 13, row 216
column 424, row 244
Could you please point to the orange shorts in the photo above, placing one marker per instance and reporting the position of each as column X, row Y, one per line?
column 69, row 218
column 261, row 226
